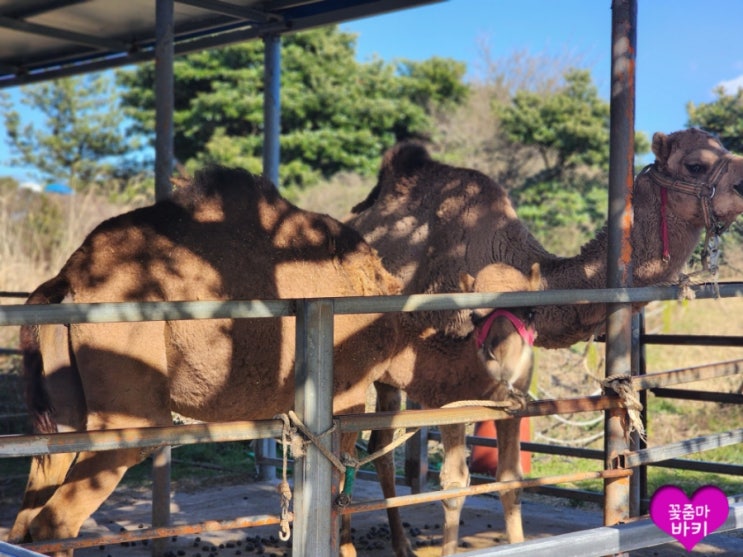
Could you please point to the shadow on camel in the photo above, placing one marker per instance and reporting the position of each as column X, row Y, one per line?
column 431, row 223
column 226, row 236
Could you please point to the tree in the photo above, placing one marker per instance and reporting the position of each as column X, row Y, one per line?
column 569, row 127
column 80, row 135
column 723, row 116
column 336, row 113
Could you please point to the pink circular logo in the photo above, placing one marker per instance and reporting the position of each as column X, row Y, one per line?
column 689, row 520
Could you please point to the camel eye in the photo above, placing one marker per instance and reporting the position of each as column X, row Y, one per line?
column 695, row 168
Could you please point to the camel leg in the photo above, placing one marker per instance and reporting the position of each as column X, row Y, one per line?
column 347, row 549
column 388, row 399
column 46, row 475
column 90, row 481
column 62, row 384
column 509, row 468
column 454, row 473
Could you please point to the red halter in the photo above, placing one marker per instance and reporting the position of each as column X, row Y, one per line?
column 527, row 333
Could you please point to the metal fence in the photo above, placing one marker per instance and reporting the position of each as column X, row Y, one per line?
column 316, row 521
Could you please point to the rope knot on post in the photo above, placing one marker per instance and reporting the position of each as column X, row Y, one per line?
column 622, row 386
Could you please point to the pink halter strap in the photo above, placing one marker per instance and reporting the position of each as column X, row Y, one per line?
column 526, row 333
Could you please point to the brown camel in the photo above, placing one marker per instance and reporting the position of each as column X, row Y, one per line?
column 431, row 222
column 228, row 235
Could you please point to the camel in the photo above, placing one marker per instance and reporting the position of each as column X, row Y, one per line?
column 431, row 222
column 225, row 235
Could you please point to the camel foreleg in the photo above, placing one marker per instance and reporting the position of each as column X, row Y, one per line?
column 509, row 468
column 454, row 473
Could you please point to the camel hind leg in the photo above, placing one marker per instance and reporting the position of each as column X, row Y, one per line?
column 54, row 392
column 122, row 369
column 46, row 475
column 388, row 400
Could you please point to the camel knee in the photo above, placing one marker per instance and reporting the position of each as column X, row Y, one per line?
column 49, row 524
column 453, row 503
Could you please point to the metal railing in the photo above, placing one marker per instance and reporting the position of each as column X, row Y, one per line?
column 314, row 319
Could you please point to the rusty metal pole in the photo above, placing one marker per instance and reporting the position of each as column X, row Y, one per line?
column 619, row 267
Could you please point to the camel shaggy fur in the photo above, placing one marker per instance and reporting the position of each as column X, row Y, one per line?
column 431, row 222
column 228, row 235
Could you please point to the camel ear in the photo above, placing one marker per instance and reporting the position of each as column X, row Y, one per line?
column 661, row 147
column 535, row 278
column 466, row 282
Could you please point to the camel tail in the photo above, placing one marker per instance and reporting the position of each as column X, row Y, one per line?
column 38, row 401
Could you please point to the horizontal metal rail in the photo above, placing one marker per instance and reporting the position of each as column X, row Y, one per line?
column 700, row 466
column 52, row 546
column 671, row 450
column 479, row 489
column 692, row 340
column 702, row 396
column 687, row 375
column 10, row 550
column 595, row 542
column 235, row 309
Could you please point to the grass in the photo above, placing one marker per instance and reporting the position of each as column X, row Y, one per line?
column 208, row 463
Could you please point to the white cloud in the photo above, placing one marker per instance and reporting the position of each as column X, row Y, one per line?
column 731, row 86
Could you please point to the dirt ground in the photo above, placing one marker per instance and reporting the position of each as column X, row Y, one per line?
column 482, row 524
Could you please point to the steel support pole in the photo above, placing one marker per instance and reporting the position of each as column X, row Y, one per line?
column 621, row 181
column 271, row 106
column 164, row 98
column 316, row 527
column 266, row 448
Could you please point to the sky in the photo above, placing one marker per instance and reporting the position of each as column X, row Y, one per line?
column 685, row 48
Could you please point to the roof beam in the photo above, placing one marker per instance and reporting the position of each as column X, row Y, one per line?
column 231, row 10
column 34, row 11
column 62, row 34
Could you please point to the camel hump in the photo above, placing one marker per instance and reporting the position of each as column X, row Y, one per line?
column 405, row 158
column 223, row 182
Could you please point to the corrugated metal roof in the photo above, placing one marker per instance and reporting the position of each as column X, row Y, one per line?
column 46, row 39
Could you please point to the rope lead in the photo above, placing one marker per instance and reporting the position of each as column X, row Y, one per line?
column 622, row 386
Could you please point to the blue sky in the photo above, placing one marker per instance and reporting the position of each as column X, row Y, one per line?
column 685, row 48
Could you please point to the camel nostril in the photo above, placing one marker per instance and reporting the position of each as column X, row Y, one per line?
column 738, row 188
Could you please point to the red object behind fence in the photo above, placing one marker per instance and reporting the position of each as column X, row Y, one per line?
column 484, row 460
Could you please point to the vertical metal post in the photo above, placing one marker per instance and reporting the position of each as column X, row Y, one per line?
column 164, row 98
column 266, row 448
column 621, row 182
column 316, row 527
column 642, row 473
column 271, row 106
column 635, row 487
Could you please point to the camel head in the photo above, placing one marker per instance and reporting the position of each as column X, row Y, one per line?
column 704, row 180
column 504, row 338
